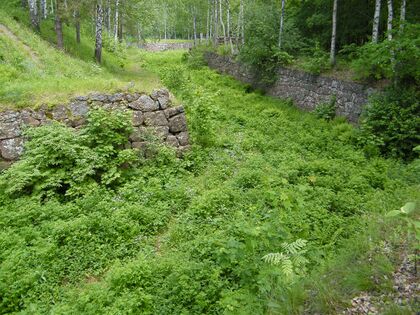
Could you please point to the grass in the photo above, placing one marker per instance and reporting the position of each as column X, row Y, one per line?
column 187, row 236
column 33, row 72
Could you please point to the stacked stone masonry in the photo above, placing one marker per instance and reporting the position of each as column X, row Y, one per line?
column 156, row 47
column 150, row 114
column 306, row 90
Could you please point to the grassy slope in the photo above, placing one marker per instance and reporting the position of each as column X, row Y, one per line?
column 33, row 72
column 187, row 237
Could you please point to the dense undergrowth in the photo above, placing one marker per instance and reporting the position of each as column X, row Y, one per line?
column 188, row 236
column 33, row 72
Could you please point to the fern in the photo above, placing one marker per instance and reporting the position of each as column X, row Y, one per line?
column 291, row 260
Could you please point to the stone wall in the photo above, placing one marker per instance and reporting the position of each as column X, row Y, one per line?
column 305, row 89
column 150, row 113
column 156, row 47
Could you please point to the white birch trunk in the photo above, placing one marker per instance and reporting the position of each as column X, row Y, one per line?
column 402, row 14
column 98, row 32
column 390, row 19
column 281, row 22
column 195, row 27
column 228, row 26
column 44, row 11
column 333, row 33
column 33, row 14
column 117, row 3
column 221, row 22
column 376, row 17
column 242, row 22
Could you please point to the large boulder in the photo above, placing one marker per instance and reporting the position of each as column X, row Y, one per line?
column 144, row 103
column 10, row 123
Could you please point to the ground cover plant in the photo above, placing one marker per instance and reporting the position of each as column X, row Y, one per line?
column 189, row 236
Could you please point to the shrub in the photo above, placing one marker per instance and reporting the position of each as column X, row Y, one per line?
column 326, row 110
column 174, row 77
column 391, row 123
column 194, row 58
column 61, row 162
column 318, row 62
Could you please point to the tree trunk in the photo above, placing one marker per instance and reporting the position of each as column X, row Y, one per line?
column 281, row 22
column 222, row 23
column 98, row 41
column 120, row 29
column 59, row 26
column 228, row 26
column 402, row 15
column 242, row 21
column 77, row 25
column 376, row 17
column 216, row 24
column 117, row 3
column 334, row 33
column 52, row 7
column 390, row 19
column 195, row 27
column 44, row 11
column 208, row 23
column 33, row 14
column 211, row 21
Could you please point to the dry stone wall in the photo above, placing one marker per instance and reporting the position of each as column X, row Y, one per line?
column 152, row 113
column 157, row 47
column 305, row 89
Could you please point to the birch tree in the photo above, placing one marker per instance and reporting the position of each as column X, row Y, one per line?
column 333, row 33
column 44, row 11
column 390, row 19
column 228, row 26
column 98, row 32
column 33, row 14
column 116, row 19
column 376, row 17
column 402, row 14
column 221, row 21
column 283, row 2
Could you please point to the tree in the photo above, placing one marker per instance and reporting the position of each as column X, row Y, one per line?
column 376, row 17
column 59, row 25
column 333, row 33
column 116, row 19
column 281, row 22
column 44, row 10
column 33, row 14
column 390, row 19
column 98, row 41
column 402, row 15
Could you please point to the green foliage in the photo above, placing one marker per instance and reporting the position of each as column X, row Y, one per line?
column 291, row 260
column 391, row 123
column 326, row 110
column 174, row 77
column 171, row 236
column 396, row 60
column 60, row 162
column 408, row 214
column 318, row 61
column 194, row 58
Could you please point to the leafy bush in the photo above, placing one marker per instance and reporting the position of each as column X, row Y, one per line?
column 326, row 110
column 194, row 58
column 391, row 123
column 396, row 60
column 174, row 77
column 61, row 162
column 318, row 61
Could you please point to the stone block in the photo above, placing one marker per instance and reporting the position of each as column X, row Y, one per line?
column 11, row 149
column 183, row 138
column 137, row 118
column 155, row 119
column 178, row 123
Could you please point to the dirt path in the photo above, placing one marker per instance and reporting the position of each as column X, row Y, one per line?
column 4, row 30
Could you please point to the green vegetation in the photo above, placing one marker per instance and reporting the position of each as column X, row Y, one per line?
column 271, row 211
column 33, row 72
column 189, row 236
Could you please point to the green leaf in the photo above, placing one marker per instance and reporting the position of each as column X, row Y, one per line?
column 408, row 207
column 393, row 213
